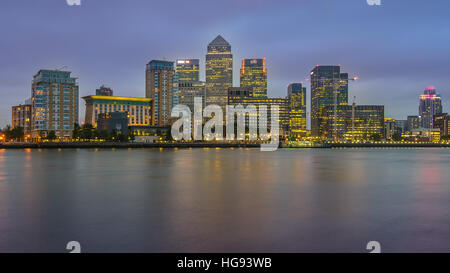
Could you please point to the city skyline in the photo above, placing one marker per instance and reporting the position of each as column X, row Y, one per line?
column 384, row 85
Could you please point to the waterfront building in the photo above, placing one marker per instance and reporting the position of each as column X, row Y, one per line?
column 188, row 70
column 117, row 121
column 390, row 128
column 54, row 104
column 401, row 125
column 21, row 117
column 139, row 109
column 442, row 122
column 368, row 121
column 254, row 76
column 325, row 81
column 104, row 91
column 430, row 105
column 297, row 109
column 219, row 71
column 414, row 122
column 162, row 87
column 237, row 96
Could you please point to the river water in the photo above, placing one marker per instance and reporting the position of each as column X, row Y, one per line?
column 225, row 200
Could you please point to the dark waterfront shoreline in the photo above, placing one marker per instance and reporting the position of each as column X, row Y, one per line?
column 104, row 145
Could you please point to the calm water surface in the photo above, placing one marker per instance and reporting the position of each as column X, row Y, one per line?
column 210, row 200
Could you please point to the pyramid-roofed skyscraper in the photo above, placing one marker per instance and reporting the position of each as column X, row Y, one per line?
column 219, row 71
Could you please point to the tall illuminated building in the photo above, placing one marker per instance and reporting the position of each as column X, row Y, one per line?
column 297, row 109
column 188, row 91
column 54, row 106
column 219, row 71
column 189, row 85
column 325, row 81
column 188, row 70
column 161, row 85
column 429, row 106
column 254, row 75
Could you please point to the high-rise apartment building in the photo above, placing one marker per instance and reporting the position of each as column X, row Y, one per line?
column 54, row 104
column 188, row 70
column 219, row 71
column 429, row 106
column 162, row 87
column 297, row 109
column 21, row 117
column 325, row 81
column 254, row 75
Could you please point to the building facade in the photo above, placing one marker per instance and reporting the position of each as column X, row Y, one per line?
column 162, row 87
column 442, row 122
column 219, row 71
column 21, row 117
column 238, row 96
column 139, row 110
column 254, row 75
column 114, row 121
column 429, row 106
column 54, row 104
column 414, row 122
column 104, row 91
column 187, row 91
column 188, row 70
column 368, row 121
column 325, row 81
column 297, row 109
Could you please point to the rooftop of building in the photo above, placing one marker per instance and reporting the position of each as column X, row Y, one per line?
column 219, row 41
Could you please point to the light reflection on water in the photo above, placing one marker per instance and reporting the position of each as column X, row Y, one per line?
column 240, row 200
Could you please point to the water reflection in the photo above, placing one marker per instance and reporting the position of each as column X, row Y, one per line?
column 223, row 200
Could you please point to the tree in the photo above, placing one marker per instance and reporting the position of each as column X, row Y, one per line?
column 397, row 137
column 446, row 138
column 51, row 136
column 375, row 137
column 17, row 133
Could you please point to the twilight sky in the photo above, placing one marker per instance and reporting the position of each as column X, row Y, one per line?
column 396, row 49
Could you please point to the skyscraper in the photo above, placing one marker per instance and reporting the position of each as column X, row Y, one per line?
column 297, row 109
column 54, row 104
column 325, row 80
column 188, row 70
column 429, row 106
column 161, row 85
column 254, row 75
column 219, row 71
column 189, row 85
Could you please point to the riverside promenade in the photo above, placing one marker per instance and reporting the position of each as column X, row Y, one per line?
column 109, row 145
